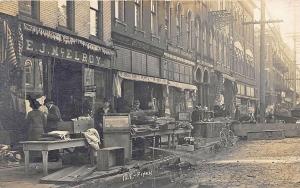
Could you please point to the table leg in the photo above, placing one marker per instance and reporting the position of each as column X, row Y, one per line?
column 45, row 162
column 169, row 141
column 173, row 140
column 26, row 154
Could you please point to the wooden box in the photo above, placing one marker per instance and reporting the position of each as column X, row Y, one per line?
column 109, row 157
column 116, row 132
column 77, row 126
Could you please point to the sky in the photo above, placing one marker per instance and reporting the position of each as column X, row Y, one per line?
column 284, row 10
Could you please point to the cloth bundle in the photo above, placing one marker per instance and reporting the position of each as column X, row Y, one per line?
column 93, row 138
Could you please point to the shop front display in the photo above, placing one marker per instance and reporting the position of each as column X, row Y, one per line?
column 65, row 70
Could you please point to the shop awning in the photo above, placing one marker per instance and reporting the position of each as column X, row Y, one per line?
column 182, row 85
column 141, row 78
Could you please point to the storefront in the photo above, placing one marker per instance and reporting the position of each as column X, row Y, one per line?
column 180, row 93
column 137, row 77
column 69, row 70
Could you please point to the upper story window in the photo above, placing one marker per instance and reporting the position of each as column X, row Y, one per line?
column 168, row 18
column 154, row 17
column 178, row 22
column 197, row 35
column 138, row 11
column 189, row 29
column 29, row 8
column 95, row 17
column 221, row 5
column 66, row 14
column 120, row 10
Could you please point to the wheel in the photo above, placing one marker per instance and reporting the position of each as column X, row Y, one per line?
column 223, row 139
column 230, row 139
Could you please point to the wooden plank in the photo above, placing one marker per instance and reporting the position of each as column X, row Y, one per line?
column 57, row 175
column 78, row 174
column 68, row 175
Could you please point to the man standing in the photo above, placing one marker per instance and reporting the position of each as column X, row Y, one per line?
column 53, row 116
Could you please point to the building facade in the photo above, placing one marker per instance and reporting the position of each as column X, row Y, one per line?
column 279, row 69
column 55, row 49
column 168, row 55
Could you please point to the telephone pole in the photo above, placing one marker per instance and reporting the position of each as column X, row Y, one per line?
column 262, row 84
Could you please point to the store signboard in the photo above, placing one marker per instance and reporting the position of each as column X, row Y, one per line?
column 37, row 40
column 116, row 122
column 142, row 78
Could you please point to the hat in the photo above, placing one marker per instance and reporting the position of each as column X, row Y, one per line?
column 35, row 104
column 48, row 101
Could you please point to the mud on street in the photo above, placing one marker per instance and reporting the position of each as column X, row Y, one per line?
column 263, row 163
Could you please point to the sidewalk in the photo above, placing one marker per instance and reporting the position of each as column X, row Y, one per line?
column 143, row 171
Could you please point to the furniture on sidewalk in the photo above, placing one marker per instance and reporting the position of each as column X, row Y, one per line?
column 46, row 146
column 110, row 156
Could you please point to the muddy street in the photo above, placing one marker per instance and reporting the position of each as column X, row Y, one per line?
column 267, row 163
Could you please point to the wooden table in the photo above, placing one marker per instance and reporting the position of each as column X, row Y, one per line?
column 46, row 146
column 170, row 133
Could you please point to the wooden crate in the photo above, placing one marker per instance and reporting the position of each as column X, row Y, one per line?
column 109, row 157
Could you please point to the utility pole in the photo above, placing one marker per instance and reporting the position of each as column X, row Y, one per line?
column 295, row 59
column 262, row 84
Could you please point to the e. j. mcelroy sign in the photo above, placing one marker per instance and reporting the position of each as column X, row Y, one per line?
column 61, row 52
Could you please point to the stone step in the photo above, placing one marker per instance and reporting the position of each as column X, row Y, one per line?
column 266, row 135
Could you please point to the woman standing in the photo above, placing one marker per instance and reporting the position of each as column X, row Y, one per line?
column 36, row 121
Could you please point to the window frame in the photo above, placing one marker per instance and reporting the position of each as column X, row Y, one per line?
column 153, row 17
column 138, row 11
column 119, row 6
column 178, row 22
column 99, row 20
column 34, row 9
column 189, row 29
column 70, row 15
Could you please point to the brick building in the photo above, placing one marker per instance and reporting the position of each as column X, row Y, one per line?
column 169, row 55
column 279, row 68
column 60, row 49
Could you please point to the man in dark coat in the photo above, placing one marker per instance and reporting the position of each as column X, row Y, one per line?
column 53, row 116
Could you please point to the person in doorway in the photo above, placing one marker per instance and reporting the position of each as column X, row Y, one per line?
column 136, row 106
column 53, row 116
column 36, row 121
column 196, row 114
column 100, row 112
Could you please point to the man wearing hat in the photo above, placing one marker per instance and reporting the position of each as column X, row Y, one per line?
column 53, row 116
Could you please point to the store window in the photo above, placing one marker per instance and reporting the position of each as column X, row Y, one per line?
column 29, row 74
column 100, row 80
column 120, row 10
column 66, row 14
column 33, row 69
column 88, row 76
column 29, row 8
column 95, row 17
column 138, row 11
